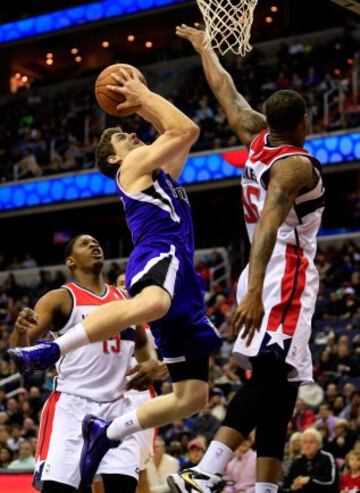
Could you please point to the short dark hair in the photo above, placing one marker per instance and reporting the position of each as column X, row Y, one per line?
column 69, row 247
column 284, row 110
column 104, row 149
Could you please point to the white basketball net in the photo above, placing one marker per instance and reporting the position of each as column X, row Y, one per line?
column 228, row 24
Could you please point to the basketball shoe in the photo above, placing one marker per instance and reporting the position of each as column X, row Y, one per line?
column 96, row 444
column 194, row 480
column 39, row 357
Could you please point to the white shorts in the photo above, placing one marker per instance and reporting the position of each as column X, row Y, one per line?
column 289, row 295
column 60, row 440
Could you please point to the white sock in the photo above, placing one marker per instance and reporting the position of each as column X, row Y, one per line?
column 123, row 426
column 265, row 488
column 72, row 339
column 216, row 458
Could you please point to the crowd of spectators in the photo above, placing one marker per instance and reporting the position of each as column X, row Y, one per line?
column 42, row 134
column 323, row 449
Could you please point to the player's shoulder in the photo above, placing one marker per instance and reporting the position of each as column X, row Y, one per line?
column 58, row 294
column 295, row 163
column 57, row 299
column 136, row 156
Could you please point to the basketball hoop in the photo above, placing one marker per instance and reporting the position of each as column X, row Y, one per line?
column 228, row 24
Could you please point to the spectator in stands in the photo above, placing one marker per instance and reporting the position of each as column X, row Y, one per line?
column 26, row 459
column 35, row 400
column 326, row 418
column 343, row 440
column 206, row 424
column 175, row 431
column 351, row 411
column 303, row 416
column 338, row 406
column 4, row 436
column 13, row 411
column 29, row 427
column 16, row 438
column 350, row 481
column 242, row 469
column 331, row 393
column 315, row 471
column 2, row 399
column 29, row 262
column 196, row 450
column 160, row 467
column 216, row 404
column 292, row 452
column 5, row 457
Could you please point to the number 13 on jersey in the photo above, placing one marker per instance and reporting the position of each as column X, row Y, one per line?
column 112, row 345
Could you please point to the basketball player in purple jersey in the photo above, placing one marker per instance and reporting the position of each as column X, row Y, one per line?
column 160, row 276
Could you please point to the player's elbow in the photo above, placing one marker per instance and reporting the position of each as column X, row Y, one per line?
column 188, row 133
column 191, row 133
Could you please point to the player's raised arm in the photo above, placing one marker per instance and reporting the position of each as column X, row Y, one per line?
column 287, row 178
column 179, row 132
column 31, row 325
column 244, row 121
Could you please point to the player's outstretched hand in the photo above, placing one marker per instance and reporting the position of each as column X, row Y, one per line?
column 195, row 35
column 143, row 375
column 130, row 86
column 247, row 317
column 26, row 320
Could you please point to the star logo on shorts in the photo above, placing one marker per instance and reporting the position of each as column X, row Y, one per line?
column 277, row 337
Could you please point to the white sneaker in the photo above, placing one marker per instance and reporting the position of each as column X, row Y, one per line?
column 195, row 481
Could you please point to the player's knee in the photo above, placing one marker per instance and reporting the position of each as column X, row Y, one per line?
column 160, row 306
column 155, row 302
column 201, row 401
column 195, row 402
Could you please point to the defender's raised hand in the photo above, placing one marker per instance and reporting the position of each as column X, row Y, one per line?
column 195, row 35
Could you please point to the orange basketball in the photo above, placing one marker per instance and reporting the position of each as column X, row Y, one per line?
column 109, row 100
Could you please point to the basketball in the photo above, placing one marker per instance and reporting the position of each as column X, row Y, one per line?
column 107, row 99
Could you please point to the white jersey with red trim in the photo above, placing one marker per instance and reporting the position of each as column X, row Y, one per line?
column 303, row 221
column 291, row 279
column 96, row 371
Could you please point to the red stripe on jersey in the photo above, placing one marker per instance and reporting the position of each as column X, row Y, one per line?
column 46, row 425
column 153, row 394
column 293, row 313
column 85, row 297
column 287, row 311
column 266, row 154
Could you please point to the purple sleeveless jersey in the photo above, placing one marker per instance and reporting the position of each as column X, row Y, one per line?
column 160, row 222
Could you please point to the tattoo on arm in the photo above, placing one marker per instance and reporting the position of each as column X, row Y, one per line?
column 277, row 208
column 287, row 177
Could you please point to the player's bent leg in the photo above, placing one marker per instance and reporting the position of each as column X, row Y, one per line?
column 272, row 424
column 150, row 304
column 54, row 487
column 119, row 482
column 143, row 483
column 239, row 422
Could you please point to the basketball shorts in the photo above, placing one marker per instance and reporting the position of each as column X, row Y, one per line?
column 289, row 295
column 184, row 333
column 60, row 440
